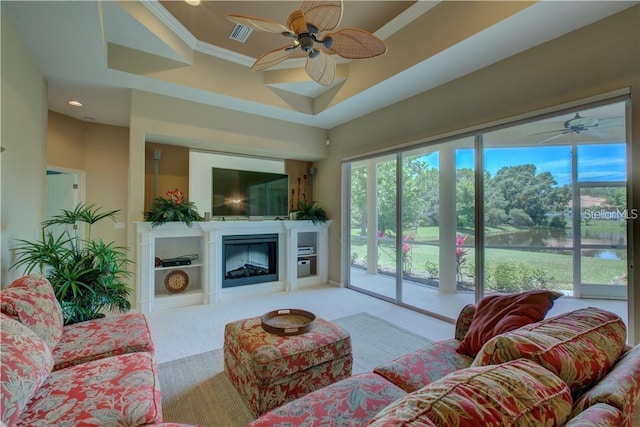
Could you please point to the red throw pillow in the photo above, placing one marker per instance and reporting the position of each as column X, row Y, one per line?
column 496, row 314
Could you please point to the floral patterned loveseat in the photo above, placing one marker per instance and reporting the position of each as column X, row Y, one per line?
column 573, row 369
column 100, row 372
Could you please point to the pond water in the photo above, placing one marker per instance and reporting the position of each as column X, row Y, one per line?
column 558, row 238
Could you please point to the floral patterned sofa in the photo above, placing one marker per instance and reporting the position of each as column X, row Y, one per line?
column 100, row 372
column 506, row 365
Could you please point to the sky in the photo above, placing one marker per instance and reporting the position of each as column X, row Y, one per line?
column 601, row 162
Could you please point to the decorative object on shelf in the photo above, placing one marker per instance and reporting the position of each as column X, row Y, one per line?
column 158, row 262
column 87, row 274
column 173, row 208
column 176, row 281
column 311, row 211
column 288, row 321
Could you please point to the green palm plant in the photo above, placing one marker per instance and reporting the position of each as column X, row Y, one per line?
column 86, row 274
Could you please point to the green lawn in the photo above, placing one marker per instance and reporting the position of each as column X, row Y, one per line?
column 558, row 267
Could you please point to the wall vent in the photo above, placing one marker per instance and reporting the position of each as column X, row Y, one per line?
column 240, row 33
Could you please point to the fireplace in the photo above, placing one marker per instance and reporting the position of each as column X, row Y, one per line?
column 249, row 259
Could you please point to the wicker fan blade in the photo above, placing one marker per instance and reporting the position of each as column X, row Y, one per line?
column 549, row 131
column 354, row 43
column 551, row 138
column 323, row 15
column 322, row 68
column 259, row 24
column 272, row 58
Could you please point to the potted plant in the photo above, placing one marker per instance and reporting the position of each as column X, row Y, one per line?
column 310, row 211
column 172, row 208
column 86, row 274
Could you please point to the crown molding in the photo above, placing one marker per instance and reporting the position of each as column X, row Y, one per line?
column 171, row 22
column 414, row 11
column 228, row 55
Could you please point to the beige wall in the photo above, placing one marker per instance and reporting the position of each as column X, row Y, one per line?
column 173, row 171
column 107, row 166
column 602, row 57
column 23, row 134
column 66, row 141
column 102, row 152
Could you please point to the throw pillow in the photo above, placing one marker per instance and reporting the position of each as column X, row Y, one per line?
column 580, row 346
column 516, row 393
column 496, row 314
column 32, row 301
column 26, row 363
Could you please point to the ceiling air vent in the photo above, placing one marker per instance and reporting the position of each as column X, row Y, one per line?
column 240, row 33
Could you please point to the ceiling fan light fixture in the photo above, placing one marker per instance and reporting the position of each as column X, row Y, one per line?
column 309, row 25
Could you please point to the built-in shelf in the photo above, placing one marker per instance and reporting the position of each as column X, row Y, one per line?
column 204, row 241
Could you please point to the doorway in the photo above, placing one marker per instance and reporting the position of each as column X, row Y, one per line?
column 65, row 190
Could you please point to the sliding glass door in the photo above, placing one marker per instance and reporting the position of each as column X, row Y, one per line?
column 372, row 230
column 548, row 211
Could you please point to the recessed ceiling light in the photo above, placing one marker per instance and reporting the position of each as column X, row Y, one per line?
column 74, row 103
column 192, row 2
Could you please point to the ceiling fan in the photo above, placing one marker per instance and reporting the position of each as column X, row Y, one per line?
column 307, row 27
column 577, row 124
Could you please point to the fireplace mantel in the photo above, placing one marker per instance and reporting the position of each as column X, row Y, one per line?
column 204, row 241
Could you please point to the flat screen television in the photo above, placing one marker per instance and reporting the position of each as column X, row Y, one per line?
column 249, row 193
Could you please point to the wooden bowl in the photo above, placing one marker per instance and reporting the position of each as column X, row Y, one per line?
column 288, row 321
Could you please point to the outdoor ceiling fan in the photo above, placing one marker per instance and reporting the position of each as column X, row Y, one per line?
column 577, row 124
column 307, row 27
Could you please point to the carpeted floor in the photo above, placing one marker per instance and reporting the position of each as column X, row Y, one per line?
column 196, row 390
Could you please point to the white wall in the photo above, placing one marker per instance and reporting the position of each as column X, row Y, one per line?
column 200, row 164
column 23, row 134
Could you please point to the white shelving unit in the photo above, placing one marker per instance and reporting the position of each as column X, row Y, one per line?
column 203, row 242
column 315, row 236
column 170, row 241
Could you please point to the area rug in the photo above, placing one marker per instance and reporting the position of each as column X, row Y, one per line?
column 196, row 390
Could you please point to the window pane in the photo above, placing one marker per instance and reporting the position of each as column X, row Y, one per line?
column 527, row 219
column 386, row 190
column 602, row 162
column 603, row 239
column 372, row 245
column 420, row 223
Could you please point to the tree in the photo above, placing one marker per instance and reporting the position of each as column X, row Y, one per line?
column 386, row 195
column 419, row 193
column 534, row 195
column 616, row 198
column 520, row 218
column 465, row 198
column 428, row 210
column 359, row 199
column 495, row 217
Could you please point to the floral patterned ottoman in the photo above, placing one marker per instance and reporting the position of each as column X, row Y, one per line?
column 269, row 370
